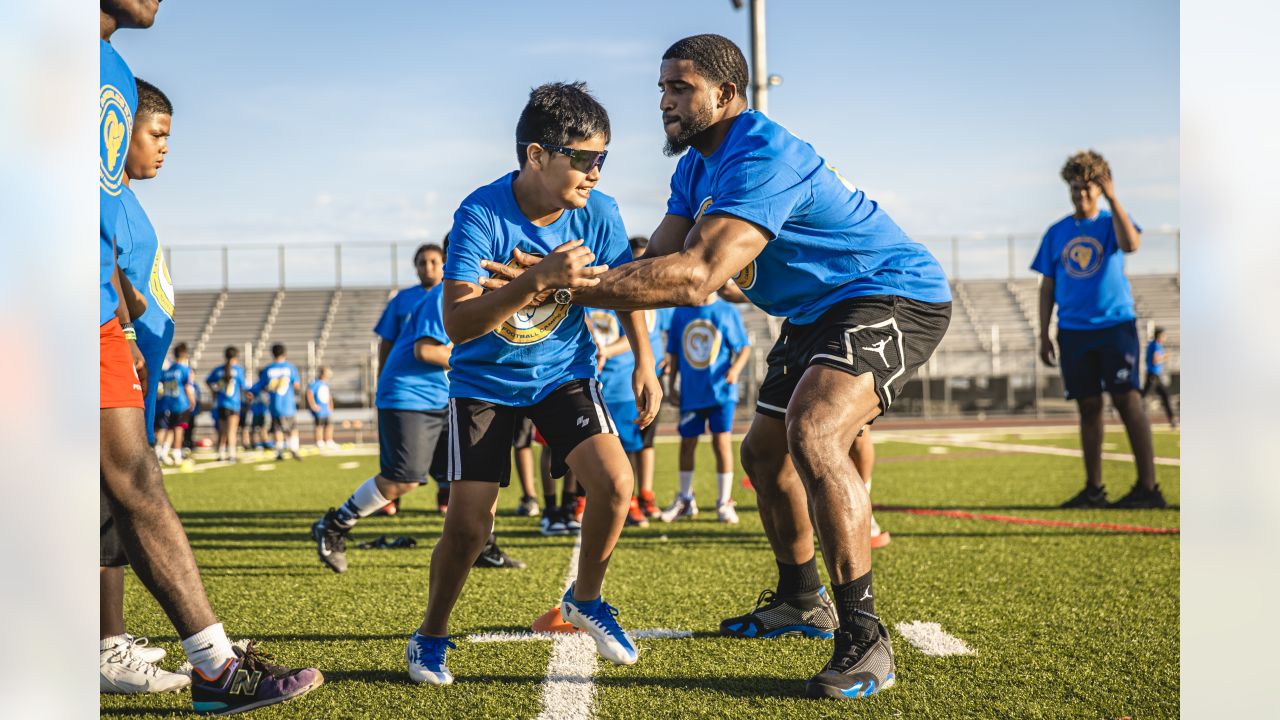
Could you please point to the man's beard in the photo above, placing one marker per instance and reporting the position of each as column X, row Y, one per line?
column 697, row 125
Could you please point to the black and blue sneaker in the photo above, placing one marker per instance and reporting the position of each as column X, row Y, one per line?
column 425, row 655
column 599, row 618
column 810, row 615
column 861, row 665
column 249, row 681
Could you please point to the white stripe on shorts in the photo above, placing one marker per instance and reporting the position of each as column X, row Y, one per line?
column 602, row 410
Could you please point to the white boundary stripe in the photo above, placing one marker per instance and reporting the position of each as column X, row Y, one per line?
column 654, row 634
column 962, row 441
column 930, row 639
column 348, row 465
column 568, row 693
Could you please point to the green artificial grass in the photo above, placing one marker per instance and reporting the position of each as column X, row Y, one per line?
column 1065, row 623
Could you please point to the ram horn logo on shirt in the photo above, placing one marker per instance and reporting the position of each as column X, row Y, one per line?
column 701, row 343
column 1082, row 256
column 746, row 277
column 605, row 327
column 161, row 284
column 115, row 123
column 702, row 208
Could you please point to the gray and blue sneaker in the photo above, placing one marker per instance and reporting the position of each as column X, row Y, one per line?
column 425, row 655
column 599, row 618
column 811, row 615
column 861, row 665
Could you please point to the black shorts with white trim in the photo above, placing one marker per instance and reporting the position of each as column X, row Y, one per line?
column 481, row 432
column 885, row 335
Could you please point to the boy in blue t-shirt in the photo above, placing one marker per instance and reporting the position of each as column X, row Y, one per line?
column 178, row 398
column 1155, row 375
column 524, row 350
column 616, row 365
column 227, row 387
column 1081, row 259
column 320, row 403
column 280, row 383
column 707, row 348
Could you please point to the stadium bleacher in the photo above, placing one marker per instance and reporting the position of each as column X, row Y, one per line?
column 993, row 330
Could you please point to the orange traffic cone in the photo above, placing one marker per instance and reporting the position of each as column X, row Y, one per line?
column 552, row 621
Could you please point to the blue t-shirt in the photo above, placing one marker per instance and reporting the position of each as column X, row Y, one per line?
column 174, row 383
column 659, row 322
column 828, row 242
column 397, row 312
column 227, row 393
column 259, row 406
column 139, row 256
column 615, row 376
column 117, row 103
column 536, row 350
column 407, row 383
column 277, row 381
column 319, row 390
column 1084, row 260
column 1153, row 367
column 704, row 340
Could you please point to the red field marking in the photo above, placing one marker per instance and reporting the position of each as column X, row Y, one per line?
column 1014, row 520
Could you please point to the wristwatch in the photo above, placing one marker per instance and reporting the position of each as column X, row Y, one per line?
column 563, row 296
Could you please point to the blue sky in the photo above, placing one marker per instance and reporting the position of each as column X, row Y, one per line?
column 300, row 121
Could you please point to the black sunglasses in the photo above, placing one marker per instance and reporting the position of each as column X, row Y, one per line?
column 580, row 160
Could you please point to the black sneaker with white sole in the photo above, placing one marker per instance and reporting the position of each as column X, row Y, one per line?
column 553, row 522
column 331, row 541
column 1089, row 497
column 493, row 557
column 1139, row 498
column 861, row 665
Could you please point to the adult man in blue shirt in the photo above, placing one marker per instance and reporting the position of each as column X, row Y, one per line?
column 280, row 383
column 1082, row 260
column 1155, row 375
column 865, row 306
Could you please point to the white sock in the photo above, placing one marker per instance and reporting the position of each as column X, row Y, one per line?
column 686, row 483
column 365, row 501
column 293, row 443
column 724, row 481
column 111, row 642
column 209, row 650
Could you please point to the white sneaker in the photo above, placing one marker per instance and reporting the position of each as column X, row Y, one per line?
column 142, row 649
column 681, row 507
column 725, row 512
column 122, row 671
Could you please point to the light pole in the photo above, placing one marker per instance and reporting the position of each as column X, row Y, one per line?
column 761, row 80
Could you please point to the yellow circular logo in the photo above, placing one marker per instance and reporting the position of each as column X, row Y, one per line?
column 1082, row 257
column 702, row 208
column 605, row 327
column 115, row 124
column 701, row 343
column 746, row 277
column 531, row 325
column 162, row 284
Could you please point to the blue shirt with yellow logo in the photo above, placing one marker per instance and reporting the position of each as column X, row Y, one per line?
column 407, row 383
column 615, row 376
column 1084, row 260
column 142, row 262
column 397, row 312
column 537, row 349
column 174, row 382
column 704, row 340
column 117, row 102
column 828, row 241
column 277, row 381
column 228, row 391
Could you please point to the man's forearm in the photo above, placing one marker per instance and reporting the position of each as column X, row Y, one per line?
column 676, row 279
column 469, row 319
column 1046, row 305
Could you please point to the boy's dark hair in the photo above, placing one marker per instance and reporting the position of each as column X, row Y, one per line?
column 715, row 57
column 180, row 349
column 1085, row 166
column 428, row 247
column 1158, row 332
column 277, row 350
column 231, row 352
column 151, row 101
column 559, row 114
column 638, row 244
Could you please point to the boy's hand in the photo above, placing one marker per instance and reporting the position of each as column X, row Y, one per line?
column 502, row 273
column 731, row 376
column 568, row 266
column 1107, row 186
column 648, row 392
column 139, row 364
column 1047, row 353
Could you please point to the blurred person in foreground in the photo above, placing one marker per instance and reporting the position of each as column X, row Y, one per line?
column 1081, row 259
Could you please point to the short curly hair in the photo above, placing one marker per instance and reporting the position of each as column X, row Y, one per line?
column 1085, row 166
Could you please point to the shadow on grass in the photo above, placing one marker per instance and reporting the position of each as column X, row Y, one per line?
column 735, row 686
column 990, row 508
column 1047, row 532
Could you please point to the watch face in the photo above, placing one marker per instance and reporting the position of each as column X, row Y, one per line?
column 563, row 296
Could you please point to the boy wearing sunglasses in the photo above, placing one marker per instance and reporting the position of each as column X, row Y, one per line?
column 525, row 351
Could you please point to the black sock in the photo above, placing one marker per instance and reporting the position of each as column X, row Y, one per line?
column 854, row 600
column 799, row 579
column 551, row 499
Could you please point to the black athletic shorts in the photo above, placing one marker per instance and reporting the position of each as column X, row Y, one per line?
column 647, row 435
column 885, row 335
column 482, row 432
column 407, row 442
column 1096, row 360
column 284, row 423
column 110, row 548
column 524, row 435
column 320, row 420
column 223, row 414
column 177, row 419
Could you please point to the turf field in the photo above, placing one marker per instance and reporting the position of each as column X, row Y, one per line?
column 1061, row 622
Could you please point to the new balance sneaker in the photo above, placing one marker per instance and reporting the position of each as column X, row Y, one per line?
column 861, row 665
column 649, row 505
column 726, row 513
column 879, row 538
column 599, row 618
column 1139, row 498
column 528, row 507
column 811, row 615
column 122, row 669
column 249, row 681
column 1089, row 497
column 681, row 507
column 635, row 516
column 425, row 655
column 331, row 541
column 553, row 523
column 492, row 556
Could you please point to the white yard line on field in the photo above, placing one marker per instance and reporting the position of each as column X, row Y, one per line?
column 971, row 441
column 568, row 693
column 930, row 639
